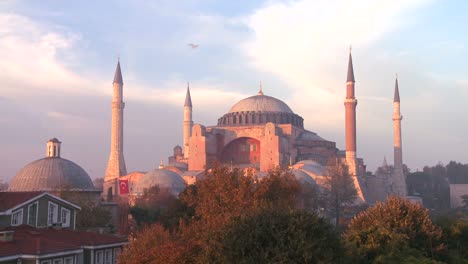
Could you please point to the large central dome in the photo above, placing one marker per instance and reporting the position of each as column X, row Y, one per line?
column 260, row 103
column 260, row 109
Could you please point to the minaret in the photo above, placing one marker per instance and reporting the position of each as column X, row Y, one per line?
column 116, row 165
column 399, row 182
column 188, row 122
column 350, row 103
column 350, row 119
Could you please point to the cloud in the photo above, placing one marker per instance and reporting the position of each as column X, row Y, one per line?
column 305, row 44
column 30, row 57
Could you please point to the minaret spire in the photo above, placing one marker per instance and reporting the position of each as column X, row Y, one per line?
column 188, row 98
column 116, row 165
column 350, row 77
column 188, row 122
column 350, row 103
column 118, row 74
column 396, row 96
column 399, row 181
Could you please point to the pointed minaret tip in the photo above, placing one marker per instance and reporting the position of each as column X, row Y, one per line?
column 396, row 97
column 350, row 77
column 188, row 98
column 118, row 74
column 260, row 91
column 384, row 163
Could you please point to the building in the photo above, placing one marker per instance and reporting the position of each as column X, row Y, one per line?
column 259, row 132
column 36, row 209
column 38, row 227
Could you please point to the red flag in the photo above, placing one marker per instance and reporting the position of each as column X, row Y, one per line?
column 123, row 186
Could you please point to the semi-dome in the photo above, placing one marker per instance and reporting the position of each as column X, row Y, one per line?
column 51, row 174
column 163, row 178
column 261, row 103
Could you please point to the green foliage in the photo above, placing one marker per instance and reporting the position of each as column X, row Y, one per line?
column 455, row 231
column 280, row 237
column 91, row 216
column 396, row 229
column 158, row 205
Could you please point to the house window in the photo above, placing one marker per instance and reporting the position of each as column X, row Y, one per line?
column 45, row 262
column 108, row 256
column 32, row 214
column 57, row 261
column 52, row 213
column 68, row 260
column 17, row 218
column 65, row 217
column 100, row 257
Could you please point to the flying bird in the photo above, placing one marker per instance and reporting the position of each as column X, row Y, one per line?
column 193, row 46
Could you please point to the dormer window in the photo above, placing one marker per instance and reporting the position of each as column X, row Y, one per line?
column 52, row 213
column 17, row 218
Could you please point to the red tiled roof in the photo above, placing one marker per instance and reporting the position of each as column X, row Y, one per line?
column 11, row 199
column 30, row 240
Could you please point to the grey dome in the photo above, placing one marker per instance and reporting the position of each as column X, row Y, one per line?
column 51, row 174
column 260, row 103
column 163, row 178
column 303, row 177
column 308, row 135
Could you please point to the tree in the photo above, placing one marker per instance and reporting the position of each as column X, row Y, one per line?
column 433, row 189
column 279, row 237
column 338, row 192
column 211, row 205
column 157, row 205
column 155, row 244
column 394, row 230
column 98, row 183
column 92, row 216
column 455, row 229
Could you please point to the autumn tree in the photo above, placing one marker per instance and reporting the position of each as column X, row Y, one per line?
column 155, row 244
column 212, row 204
column 392, row 232
column 338, row 190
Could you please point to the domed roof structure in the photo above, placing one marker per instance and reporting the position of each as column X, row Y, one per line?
column 303, row 177
column 51, row 174
column 258, row 110
column 163, row 178
column 261, row 103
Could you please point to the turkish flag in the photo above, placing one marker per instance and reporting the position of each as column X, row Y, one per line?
column 123, row 186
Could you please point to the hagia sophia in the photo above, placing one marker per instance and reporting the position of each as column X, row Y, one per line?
column 258, row 133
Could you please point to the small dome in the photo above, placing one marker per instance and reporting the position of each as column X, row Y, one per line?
column 311, row 167
column 307, row 135
column 51, row 174
column 261, row 103
column 163, row 178
column 303, row 177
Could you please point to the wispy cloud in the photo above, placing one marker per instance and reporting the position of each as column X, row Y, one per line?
column 305, row 44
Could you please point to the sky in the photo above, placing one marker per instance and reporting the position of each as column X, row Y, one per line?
column 57, row 61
